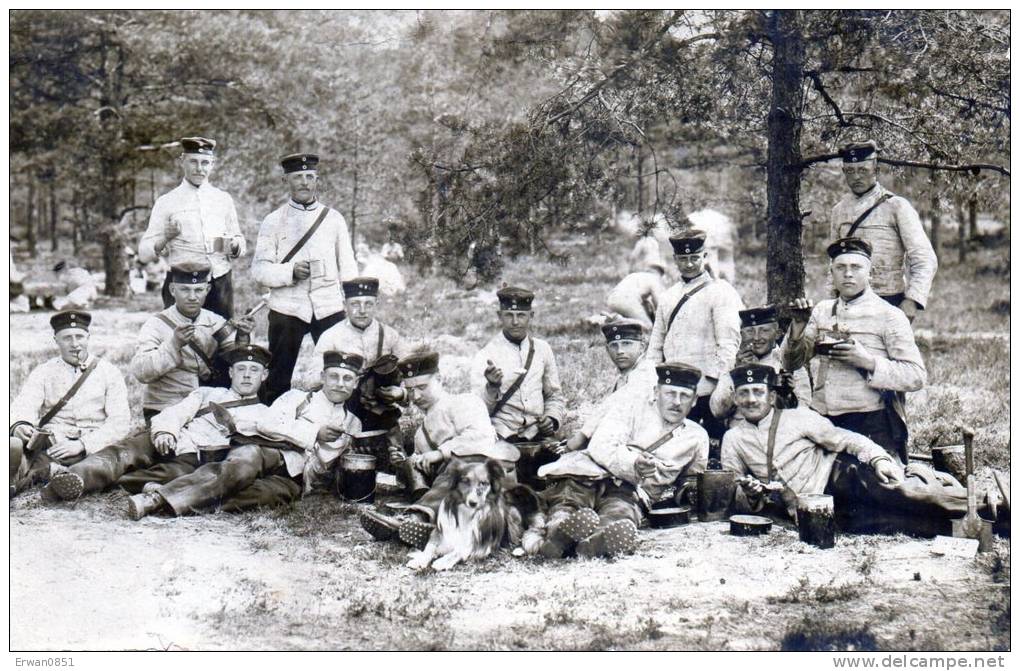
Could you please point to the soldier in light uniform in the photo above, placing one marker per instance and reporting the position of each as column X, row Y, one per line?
column 861, row 349
column 903, row 260
column 759, row 330
column 635, row 374
column 96, row 415
column 271, row 451
column 698, row 323
column 302, row 254
column 379, row 391
column 641, row 448
column 810, row 455
column 194, row 430
column 455, row 427
column 516, row 374
column 323, row 424
column 177, row 347
column 196, row 223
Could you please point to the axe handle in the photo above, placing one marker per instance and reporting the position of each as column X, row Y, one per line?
column 968, row 447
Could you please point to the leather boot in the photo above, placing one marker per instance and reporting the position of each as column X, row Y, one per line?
column 144, row 504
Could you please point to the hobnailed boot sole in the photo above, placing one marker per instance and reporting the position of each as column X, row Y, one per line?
column 581, row 524
column 378, row 526
column 415, row 533
column 616, row 538
column 66, row 485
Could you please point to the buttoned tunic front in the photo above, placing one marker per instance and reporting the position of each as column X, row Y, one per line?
column 317, row 296
column 539, row 395
column 902, row 257
column 883, row 330
column 98, row 415
column 705, row 333
column 204, row 212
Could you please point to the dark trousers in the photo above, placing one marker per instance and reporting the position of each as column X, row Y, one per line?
column 612, row 502
column 249, row 476
column 702, row 414
column 922, row 505
column 285, row 336
column 893, row 299
column 220, row 298
column 30, row 468
column 881, row 426
column 136, row 455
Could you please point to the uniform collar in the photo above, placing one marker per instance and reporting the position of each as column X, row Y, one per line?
column 872, row 194
column 192, row 320
column 81, row 365
column 356, row 329
column 310, row 207
column 188, row 185
column 519, row 345
column 856, row 299
column 763, row 423
column 695, row 280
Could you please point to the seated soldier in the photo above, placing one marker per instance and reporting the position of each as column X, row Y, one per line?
column 271, row 452
column 862, row 349
column 177, row 347
column 759, row 331
column 798, row 452
column 455, row 427
column 636, row 296
column 69, row 407
column 380, row 346
column 644, row 444
column 190, row 432
column 625, row 344
column 323, row 424
column 516, row 374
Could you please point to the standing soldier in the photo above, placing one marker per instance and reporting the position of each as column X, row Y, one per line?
column 903, row 261
column 516, row 374
column 302, row 254
column 196, row 223
column 862, row 350
column 698, row 323
column 70, row 406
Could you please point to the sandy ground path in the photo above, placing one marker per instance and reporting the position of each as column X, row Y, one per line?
column 91, row 579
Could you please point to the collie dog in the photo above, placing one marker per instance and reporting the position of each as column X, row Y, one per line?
column 475, row 516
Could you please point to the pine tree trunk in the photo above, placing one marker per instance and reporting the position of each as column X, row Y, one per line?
column 785, row 259
column 53, row 214
column 972, row 216
column 30, row 217
column 640, row 181
column 936, row 215
column 961, row 230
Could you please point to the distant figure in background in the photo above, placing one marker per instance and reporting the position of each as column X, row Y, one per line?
column 903, row 260
column 720, row 242
column 382, row 267
column 645, row 254
column 196, row 223
column 636, row 296
column 79, row 285
column 18, row 299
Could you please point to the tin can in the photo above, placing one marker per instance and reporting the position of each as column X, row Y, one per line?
column 816, row 521
column 356, row 479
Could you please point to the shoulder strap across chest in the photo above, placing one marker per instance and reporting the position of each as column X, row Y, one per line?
column 683, row 300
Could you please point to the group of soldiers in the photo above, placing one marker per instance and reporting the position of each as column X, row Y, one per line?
column 816, row 409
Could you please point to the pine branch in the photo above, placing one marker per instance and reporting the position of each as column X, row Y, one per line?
column 973, row 168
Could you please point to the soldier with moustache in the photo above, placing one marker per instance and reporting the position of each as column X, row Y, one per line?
column 196, row 223
column 71, row 406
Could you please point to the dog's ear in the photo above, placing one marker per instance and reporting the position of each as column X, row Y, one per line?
column 496, row 473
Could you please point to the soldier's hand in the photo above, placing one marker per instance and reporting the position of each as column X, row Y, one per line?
column 171, row 229
column 328, row 433
column 887, row 472
column 852, row 353
column 547, row 426
column 65, row 449
column 909, row 308
column 243, row 324
column 397, row 456
column 493, row 374
column 302, row 270
column 390, row 394
column 800, row 312
column 644, row 465
column 746, row 355
column 751, row 485
column 574, row 443
column 24, row 433
column 183, row 334
column 164, row 443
